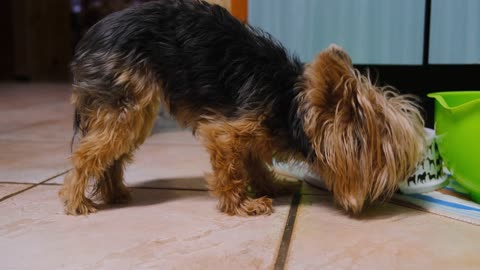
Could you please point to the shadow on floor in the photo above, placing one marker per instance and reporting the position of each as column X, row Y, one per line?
column 372, row 211
column 158, row 191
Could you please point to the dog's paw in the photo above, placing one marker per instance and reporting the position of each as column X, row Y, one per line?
column 84, row 207
column 255, row 207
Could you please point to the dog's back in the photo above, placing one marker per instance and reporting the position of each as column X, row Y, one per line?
column 203, row 59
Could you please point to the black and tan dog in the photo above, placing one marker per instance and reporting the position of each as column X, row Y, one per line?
column 243, row 96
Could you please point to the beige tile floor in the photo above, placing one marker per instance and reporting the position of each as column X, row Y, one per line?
column 172, row 222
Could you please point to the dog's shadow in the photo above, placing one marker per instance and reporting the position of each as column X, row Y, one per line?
column 385, row 210
column 158, row 191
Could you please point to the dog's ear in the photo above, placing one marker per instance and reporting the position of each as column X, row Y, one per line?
column 334, row 64
column 336, row 52
column 325, row 73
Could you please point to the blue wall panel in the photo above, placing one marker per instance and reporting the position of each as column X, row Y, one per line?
column 455, row 32
column 372, row 31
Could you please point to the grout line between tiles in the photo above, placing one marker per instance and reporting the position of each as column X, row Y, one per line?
column 287, row 233
column 5, row 138
column 167, row 188
column 32, row 186
column 45, row 183
column 16, row 183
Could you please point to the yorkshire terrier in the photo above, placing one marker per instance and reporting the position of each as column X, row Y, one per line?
column 244, row 97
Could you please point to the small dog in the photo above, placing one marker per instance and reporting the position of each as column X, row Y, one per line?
column 244, row 97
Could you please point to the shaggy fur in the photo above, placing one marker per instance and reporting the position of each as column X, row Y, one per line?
column 244, row 96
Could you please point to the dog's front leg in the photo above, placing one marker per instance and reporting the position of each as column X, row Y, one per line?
column 230, row 153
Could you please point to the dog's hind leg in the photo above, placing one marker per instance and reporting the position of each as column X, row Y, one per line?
column 104, row 142
column 101, row 155
column 111, row 187
column 112, row 133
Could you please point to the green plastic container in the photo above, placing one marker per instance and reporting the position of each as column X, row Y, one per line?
column 457, row 127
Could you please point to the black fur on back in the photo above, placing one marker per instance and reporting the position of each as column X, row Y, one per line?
column 203, row 57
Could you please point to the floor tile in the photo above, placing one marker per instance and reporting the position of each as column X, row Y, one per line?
column 27, row 95
column 32, row 162
column 173, row 166
column 161, row 229
column 7, row 189
column 384, row 237
column 43, row 129
column 25, row 106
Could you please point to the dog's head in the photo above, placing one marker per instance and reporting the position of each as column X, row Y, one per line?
column 366, row 138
